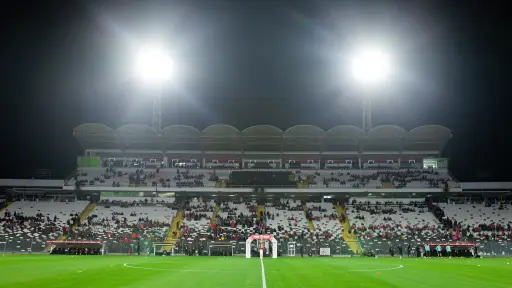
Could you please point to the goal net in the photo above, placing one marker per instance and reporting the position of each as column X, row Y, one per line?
column 161, row 249
column 221, row 249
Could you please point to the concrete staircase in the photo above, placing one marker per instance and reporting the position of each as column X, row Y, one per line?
column 83, row 216
column 388, row 185
column 215, row 214
column 8, row 204
column 310, row 222
column 349, row 238
column 262, row 209
column 85, row 213
column 171, row 239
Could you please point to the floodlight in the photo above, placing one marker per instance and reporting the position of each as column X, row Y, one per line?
column 153, row 65
column 371, row 67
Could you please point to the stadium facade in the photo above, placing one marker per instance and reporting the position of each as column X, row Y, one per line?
column 223, row 147
column 325, row 181
column 265, row 146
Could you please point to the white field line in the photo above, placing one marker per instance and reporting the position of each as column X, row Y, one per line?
column 384, row 269
column 263, row 280
column 128, row 265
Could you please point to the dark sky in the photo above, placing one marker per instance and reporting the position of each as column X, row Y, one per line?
column 250, row 62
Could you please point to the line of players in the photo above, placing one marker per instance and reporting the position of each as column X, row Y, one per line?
column 438, row 251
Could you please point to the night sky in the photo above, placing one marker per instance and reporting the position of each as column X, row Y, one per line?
column 249, row 62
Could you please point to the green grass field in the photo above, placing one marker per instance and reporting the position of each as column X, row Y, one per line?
column 183, row 272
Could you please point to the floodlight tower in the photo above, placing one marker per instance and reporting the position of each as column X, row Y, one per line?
column 371, row 68
column 153, row 67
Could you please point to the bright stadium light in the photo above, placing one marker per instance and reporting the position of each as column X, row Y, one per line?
column 153, row 65
column 371, row 67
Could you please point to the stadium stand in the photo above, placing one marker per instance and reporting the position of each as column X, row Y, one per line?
column 286, row 219
column 235, row 222
column 123, row 221
column 325, row 217
column 216, row 164
column 486, row 223
column 382, row 223
column 29, row 225
column 347, row 178
column 125, row 177
column 198, row 216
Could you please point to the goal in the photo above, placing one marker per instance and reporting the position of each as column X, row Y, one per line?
column 262, row 239
column 3, row 243
column 162, row 249
column 221, row 249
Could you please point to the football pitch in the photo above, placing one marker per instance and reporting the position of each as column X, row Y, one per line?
column 227, row 272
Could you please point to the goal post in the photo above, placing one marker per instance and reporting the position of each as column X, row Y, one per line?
column 220, row 249
column 162, row 249
column 257, row 237
column 3, row 243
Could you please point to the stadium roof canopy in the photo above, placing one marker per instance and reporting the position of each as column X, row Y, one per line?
column 221, row 137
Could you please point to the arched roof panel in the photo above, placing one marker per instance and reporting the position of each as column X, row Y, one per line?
column 220, row 130
column 93, row 129
column 345, row 131
column 304, row 131
column 386, row 131
column 181, row 131
column 262, row 130
column 430, row 131
column 136, row 130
